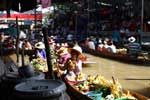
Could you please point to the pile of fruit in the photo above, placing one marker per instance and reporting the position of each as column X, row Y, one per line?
column 76, row 78
column 111, row 90
column 40, row 64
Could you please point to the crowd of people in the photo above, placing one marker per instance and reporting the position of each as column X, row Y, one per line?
column 68, row 55
column 109, row 45
column 102, row 45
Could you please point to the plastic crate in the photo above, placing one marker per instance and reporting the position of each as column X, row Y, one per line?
column 94, row 95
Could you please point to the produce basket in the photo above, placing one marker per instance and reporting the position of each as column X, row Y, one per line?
column 94, row 95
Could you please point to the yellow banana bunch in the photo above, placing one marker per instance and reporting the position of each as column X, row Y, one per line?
column 116, row 89
column 80, row 77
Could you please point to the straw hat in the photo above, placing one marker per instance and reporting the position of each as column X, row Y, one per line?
column 40, row 45
column 62, row 51
column 77, row 49
column 131, row 39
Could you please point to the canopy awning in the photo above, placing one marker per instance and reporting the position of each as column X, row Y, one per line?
column 22, row 16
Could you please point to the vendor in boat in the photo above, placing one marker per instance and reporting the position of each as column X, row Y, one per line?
column 111, row 47
column 40, row 50
column 100, row 45
column 62, row 55
column 105, row 46
column 74, row 64
column 75, row 52
column 133, row 47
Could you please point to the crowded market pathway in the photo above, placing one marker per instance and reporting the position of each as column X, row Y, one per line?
column 132, row 77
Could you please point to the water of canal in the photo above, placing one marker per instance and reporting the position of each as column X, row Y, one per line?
column 132, row 77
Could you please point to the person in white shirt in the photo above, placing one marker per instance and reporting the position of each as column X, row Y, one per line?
column 111, row 47
column 100, row 45
column 105, row 46
column 22, row 35
column 91, row 44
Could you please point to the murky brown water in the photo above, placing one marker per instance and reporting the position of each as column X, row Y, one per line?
column 132, row 77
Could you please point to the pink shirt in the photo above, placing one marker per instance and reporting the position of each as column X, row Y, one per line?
column 62, row 59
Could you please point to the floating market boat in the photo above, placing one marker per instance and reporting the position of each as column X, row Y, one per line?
column 73, row 90
column 120, row 56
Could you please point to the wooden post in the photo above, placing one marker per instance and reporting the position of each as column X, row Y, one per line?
column 35, row 20
column 22, row 54
column 17, row 40
column 142, row 16
column 48, row 55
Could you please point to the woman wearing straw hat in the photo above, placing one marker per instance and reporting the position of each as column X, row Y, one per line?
column 63, row 55
column 76, row 52
column 74, row 64
column 40, row 50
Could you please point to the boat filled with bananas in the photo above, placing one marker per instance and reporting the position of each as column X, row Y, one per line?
column 98, row 88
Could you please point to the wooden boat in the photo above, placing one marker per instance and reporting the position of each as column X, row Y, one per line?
column 123, row 57
column 77, row 95
column 74, row 93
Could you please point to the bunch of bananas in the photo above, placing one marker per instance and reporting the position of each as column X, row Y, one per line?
column 116, row 89
column 80, row 77
column 40, row 64
column 83, row 87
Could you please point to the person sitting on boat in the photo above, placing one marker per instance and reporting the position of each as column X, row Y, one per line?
column 105, row 46
column 74, row 64
column 40, row 50
column 100, row 45
column 75, row 52
column 133, row 48
column 91, row 44
column 62, row 55
column 111, row 47
column 87, row 41
column 70, row 75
